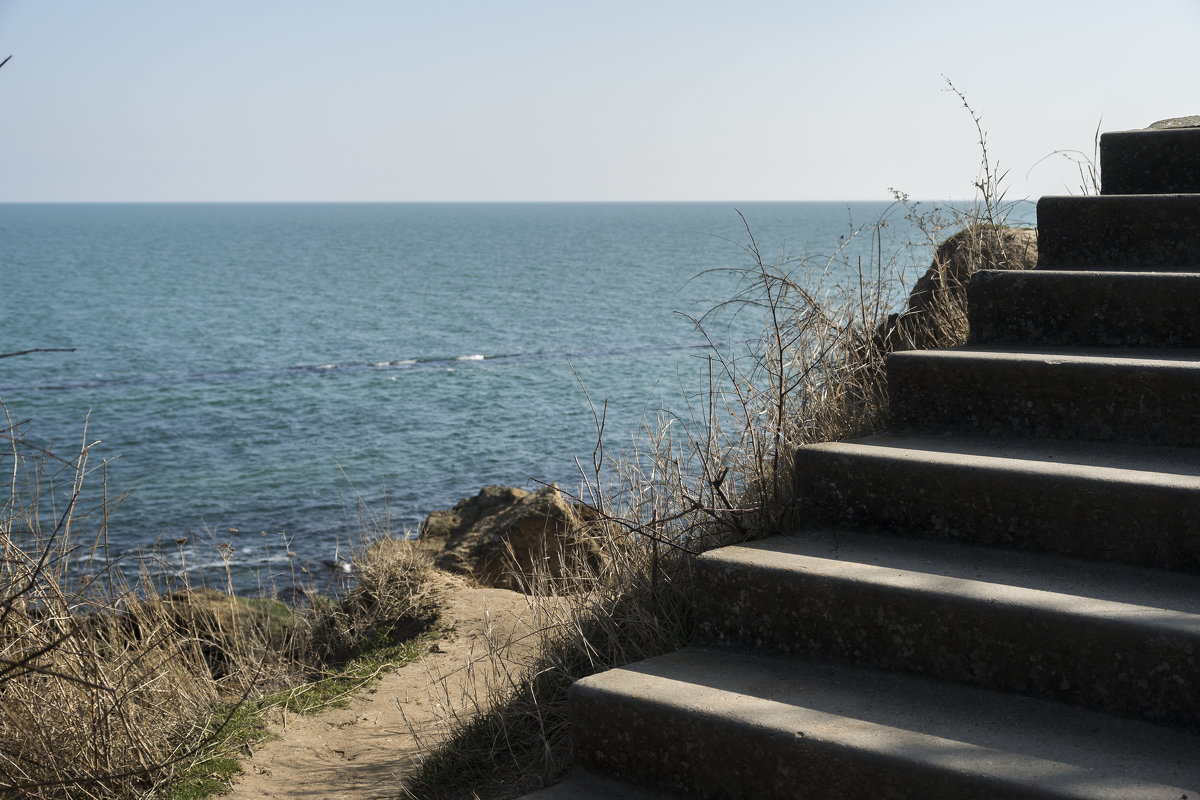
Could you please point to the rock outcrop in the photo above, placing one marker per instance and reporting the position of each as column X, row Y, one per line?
column 935, row 315
column 1176, row 122
column 504, row 536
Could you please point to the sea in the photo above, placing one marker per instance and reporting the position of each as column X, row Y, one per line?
column 255, row 379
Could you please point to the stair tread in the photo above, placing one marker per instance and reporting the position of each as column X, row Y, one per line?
column 1119, row 357
column 1107, row 276
column 1133, row 395
column 1171, row 466
column 1053, row 627
column 1023, row 742
column 1109, row 591
column 1108, row 199
column 1150, row 160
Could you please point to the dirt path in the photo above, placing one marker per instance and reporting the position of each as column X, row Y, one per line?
column 363, row 751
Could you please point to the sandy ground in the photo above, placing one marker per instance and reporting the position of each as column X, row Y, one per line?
column 362, row 752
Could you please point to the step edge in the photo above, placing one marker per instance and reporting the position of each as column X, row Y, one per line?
column 1063, row 462
column 1169, row 618
column 766, row 716
column 1184, row 360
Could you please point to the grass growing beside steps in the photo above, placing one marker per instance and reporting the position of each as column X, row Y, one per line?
column 113, row 689
column 720, row 475
column 717, row 470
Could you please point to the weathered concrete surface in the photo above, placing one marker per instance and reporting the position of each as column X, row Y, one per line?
column 1114, row 395
column 1125, row 232
column 1075, row 308
column 1103, row 636
column 713, row 724
column 1163, row 159
column 1105, row 502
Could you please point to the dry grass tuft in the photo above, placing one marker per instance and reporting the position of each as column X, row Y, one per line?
column 390, row 603
column 936, row 312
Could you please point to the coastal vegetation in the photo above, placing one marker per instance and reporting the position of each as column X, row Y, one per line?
column 118, row 679
column 112, row 687
column 716, row 468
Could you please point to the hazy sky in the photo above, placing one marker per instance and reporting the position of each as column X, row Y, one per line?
column 364, row 100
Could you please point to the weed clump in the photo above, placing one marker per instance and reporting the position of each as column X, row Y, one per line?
column 936, row 312
column 390, row 604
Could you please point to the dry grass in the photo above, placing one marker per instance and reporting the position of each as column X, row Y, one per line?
column 108, row 690
column 718, row 469
column 113, row 689
column 98, row 689
column 389, row 604
column 717, row 472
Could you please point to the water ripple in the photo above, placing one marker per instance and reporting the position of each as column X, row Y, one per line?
column 223, row 376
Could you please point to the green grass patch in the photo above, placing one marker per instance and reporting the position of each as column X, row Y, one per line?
column 236, row 728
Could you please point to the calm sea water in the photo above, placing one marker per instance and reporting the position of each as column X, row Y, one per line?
column 254, row 369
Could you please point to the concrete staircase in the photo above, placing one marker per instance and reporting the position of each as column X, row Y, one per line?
column 1007, row 601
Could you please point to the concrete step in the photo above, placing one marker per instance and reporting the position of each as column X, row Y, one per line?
column 1112, row 638
column 1156, row 232
column 716, row 724
column 1078, row 308
column 1150, row 161
column 1123, row 503
column 1114, row 395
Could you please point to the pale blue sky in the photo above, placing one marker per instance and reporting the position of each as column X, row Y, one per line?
column 365, row 100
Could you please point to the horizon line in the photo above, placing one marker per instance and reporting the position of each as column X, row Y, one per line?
column 474, row 202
